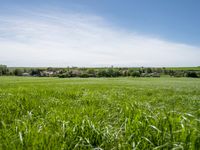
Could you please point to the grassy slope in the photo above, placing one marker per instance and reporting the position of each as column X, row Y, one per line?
column 119, row 113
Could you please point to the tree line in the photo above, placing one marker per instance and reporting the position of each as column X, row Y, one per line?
column 99, row 72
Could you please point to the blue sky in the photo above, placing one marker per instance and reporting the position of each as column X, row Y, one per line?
column 114, row 32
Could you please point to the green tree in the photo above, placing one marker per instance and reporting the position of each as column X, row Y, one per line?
column 18, row 72
column 3, row 70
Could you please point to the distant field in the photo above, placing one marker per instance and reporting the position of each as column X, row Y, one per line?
column 101, row 113
column 184, row 68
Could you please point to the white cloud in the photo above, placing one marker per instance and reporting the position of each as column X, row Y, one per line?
column 84, row 40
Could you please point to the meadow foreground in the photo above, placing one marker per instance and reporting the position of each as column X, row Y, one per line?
column 99, row 113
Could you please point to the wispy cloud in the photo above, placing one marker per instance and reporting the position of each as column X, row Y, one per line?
column 74, row 39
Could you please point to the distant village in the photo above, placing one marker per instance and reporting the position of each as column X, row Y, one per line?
column 99, row 72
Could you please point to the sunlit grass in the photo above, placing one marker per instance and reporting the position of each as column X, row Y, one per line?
column 115, row 113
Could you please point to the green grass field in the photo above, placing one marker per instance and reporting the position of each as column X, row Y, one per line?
column 99, row 113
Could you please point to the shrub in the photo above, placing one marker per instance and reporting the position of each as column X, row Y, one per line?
column 84, row 75
column 178, row 74
column 64, row 75
column 135, row 74
column 155, row 74
column 192, row 74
